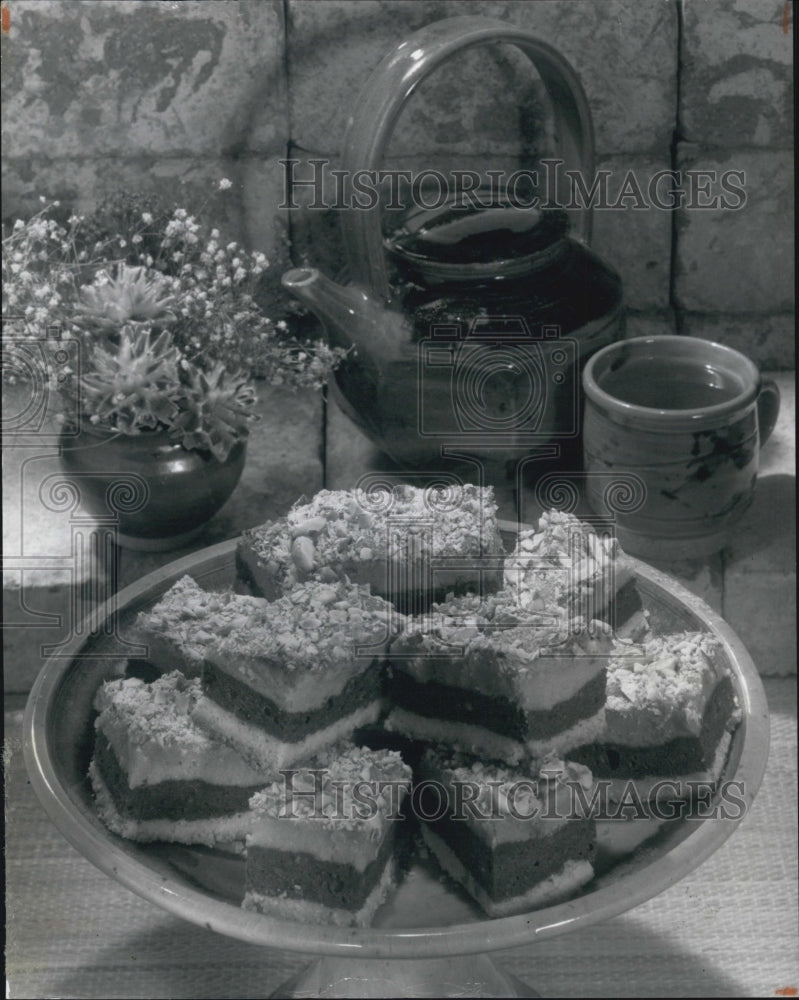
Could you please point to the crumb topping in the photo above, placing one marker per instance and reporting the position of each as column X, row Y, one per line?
column 504, row 791
column 337, row 530
column 193, row 617
column 156, row 711
column 344, row 788
column 497, row 626
column 559, row 562
column 313, row 626
column 668, row 675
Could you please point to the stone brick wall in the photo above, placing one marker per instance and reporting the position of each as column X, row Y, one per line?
column 151, row 94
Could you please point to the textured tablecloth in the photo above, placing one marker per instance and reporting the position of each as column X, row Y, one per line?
column 728, row 929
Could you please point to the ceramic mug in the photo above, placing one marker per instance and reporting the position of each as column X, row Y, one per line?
column 679, row 421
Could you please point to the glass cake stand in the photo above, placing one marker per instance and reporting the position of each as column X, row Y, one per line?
column 408, row 952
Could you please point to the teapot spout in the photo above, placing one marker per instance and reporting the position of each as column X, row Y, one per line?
column 351, row 317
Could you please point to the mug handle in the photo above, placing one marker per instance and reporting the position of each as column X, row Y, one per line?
column 768, row 408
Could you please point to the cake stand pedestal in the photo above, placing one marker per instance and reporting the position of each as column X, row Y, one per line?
column 463, row 976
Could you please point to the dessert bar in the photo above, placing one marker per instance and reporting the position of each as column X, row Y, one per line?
column 322, row 848
column 298, row 674
column 670, row 711
column 489, row 678
column 180, row 627
column 409, row 545
column 515, row 839
column 157, row 776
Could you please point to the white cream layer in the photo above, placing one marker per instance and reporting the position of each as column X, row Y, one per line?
column 356, row 846
column 267, row 752
column 294, row 690
column 539, row 685
column 484, row 743
column 150, row 761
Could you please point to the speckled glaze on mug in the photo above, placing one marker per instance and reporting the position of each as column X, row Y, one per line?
column 684, row 418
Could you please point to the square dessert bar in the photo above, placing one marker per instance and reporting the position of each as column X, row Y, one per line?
column 409, row 545
column 298, row 673
column 157, row 776
column 489, row 678
column 180, row 627
column 567, row 562
column 322, row 847
column 670, row 713
column 515, row 839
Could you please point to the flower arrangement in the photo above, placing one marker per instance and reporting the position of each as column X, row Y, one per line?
column 166, row 314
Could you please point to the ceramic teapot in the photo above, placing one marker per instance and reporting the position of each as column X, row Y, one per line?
column 469, row 324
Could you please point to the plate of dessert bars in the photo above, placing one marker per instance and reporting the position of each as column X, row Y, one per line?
column 390, row 724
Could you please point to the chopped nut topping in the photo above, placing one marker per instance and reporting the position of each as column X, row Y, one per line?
column 504, row 790
column 338, row 530
column 157, row 711
column 332, row 789
column 313, row 625
column 193, row 618
column 671, row 675
column 498, row 626
column 562, row 562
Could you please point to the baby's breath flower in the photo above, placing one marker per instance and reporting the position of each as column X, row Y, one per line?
column 211, row 315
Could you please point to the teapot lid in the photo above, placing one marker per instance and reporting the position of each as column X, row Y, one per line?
column 457, row 242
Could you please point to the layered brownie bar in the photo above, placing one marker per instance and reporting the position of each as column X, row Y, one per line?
column 567, row 562
column 298, row 673
column 670, row 713
column 514, row 839
column 157, row 776
column 489, row 678
column 418, row 544
column 322, row 847
column 179, row 628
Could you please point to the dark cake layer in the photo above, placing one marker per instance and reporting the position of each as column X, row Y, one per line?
column 297, row 875
column 443, row 701
column 513, row 868
column 171, row 800
column 685, row 755
column 251, row 707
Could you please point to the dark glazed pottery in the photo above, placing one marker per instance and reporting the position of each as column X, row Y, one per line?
column 475, row 341
column 157, row 493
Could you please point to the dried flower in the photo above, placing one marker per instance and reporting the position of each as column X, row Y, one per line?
column 167, row 315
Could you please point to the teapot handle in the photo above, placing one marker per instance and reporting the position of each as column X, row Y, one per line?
column 393, row 81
